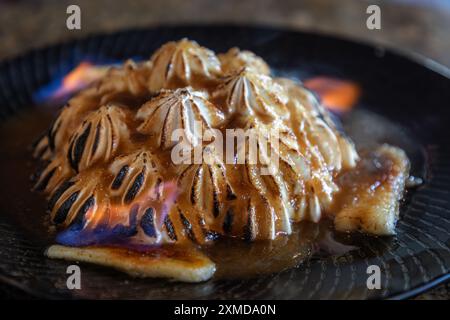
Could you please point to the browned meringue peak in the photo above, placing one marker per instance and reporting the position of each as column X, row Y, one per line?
column 204, row 186
column 301, row 179
column 235, row 59
column 267, row 200
column 54, row 173
column 183, row 109
column 281, row 142
column 220, row 199
column 41, row 149
column 311, row 117
column 73, row 198
column 135, row 175
column 69, row 118
column 132, row 178
column 249, row 94
column 131, row 78
column 181, row 63
column 98, row 138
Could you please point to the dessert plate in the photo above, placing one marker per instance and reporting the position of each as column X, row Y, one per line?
column 410, row 95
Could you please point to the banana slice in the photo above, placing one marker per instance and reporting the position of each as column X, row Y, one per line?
column 377, row 185
column 182, row 264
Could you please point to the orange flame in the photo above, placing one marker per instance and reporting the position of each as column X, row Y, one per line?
column 80, row 77
column 337, row 95
column 118, row 213
column 100, row 223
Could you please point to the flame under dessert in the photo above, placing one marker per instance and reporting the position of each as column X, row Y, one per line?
column 111, row 182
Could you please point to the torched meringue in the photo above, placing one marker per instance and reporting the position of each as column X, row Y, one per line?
column 252, row 94
column 182, row 63
column 98, row 138
column 235, row 60
column 182, row 109
column 109, row 151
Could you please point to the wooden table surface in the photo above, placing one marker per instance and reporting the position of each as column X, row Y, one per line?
column 421, row 29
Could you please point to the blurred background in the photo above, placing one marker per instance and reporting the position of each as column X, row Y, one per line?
column 420, row 26
column 415, row 26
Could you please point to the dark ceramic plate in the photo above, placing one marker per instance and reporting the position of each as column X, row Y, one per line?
column 404, row 90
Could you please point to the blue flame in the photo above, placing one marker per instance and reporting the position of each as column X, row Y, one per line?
column 77, row 235
column 46, row 92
